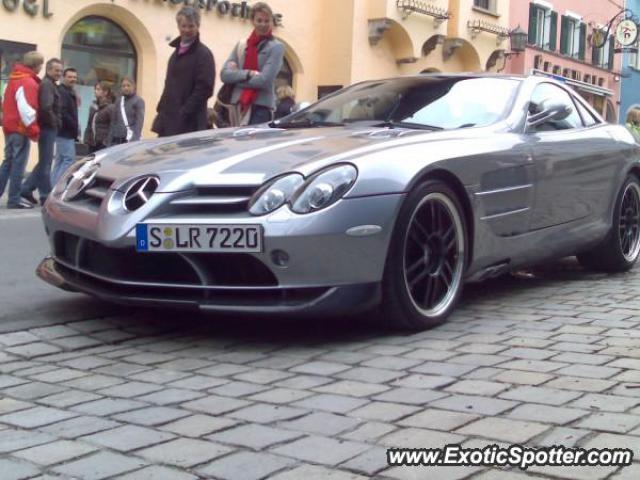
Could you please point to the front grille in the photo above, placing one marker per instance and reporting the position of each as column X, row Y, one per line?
column 264, row 297
column 95, row 193
column 222, row 199
column 175, row 269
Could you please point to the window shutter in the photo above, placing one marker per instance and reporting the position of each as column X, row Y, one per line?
column 595, row 52
column 564, row 34
column 583, row 41
column 533, row 26
column 553, row 32
column 611, row 52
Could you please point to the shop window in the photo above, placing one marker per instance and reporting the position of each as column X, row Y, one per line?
column 99, row 50
column 543, row 27
column 557, row 69
column 10, row 53
column 537, row 61
column 573, row 37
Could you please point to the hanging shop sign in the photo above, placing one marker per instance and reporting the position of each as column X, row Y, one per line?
column 225, row 8
column 627, row 33
column 31, row 7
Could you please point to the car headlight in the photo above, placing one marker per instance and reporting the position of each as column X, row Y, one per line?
column 275, row 194
column 324, row 189
column 66, row 177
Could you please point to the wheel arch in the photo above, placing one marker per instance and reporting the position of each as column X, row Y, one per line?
column 635, row 170
column 458, row 188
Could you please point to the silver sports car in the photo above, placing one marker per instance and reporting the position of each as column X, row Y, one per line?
column 389, row 193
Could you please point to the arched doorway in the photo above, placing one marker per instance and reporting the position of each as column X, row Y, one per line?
column 285, row 75
column 100, row 50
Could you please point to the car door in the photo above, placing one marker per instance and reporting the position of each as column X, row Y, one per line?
column 570, row 168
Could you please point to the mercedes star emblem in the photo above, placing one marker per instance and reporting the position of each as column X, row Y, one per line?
column 140, row 192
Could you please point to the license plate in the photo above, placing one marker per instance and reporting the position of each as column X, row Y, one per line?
column 198, row 238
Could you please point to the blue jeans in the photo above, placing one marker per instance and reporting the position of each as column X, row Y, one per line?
column 40, row 177
column 16, row 153
column 260, row 114
column 65, row 156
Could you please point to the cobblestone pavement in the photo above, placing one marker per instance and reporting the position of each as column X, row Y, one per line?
column 542, row 359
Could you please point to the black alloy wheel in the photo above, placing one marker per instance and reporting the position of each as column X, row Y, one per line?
column 425, row 267
column 619, row 251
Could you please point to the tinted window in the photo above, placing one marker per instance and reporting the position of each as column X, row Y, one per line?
column 548, row 92
column 587, row 116
column 439, row 101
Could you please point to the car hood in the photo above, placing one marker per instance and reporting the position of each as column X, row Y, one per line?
column 243, row 156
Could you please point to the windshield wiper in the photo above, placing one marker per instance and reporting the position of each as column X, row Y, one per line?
column 305, row 123
column 416, row 126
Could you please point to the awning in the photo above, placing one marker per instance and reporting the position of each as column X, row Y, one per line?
column 577, row 84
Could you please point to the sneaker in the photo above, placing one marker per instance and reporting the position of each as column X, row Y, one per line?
column 28, row 196
column 22, row 205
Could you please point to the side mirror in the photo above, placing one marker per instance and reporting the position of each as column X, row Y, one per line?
column 551, row 110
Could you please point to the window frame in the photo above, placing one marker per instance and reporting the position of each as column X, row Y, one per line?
column 602, row 57
column 492, row 6
column 11, row 48
column 545, row 26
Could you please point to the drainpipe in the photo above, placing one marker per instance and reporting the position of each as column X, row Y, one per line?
column 453, row 25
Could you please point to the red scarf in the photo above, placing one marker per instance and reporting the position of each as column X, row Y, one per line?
column 249, row 95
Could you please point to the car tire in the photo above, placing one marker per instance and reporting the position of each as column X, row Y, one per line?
column 619, row 251
column 424, row 270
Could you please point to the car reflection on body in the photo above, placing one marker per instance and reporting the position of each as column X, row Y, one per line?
column 389, row 194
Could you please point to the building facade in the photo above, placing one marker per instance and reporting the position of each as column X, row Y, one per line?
column 569, row 40
column 630, row 96
column 329, row 43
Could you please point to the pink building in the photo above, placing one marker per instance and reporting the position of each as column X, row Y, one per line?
column 564, row 36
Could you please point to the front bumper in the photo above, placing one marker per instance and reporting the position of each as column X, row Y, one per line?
column 344, row 299
column 328, row 270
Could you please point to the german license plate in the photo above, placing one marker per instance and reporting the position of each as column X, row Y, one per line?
column 198, row 238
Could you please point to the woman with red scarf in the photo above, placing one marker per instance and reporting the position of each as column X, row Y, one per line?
column 252, row 68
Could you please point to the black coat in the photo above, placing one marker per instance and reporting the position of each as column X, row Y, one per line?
column 68, row 112
column 285, row 107
column 49, row 108
column 188, row 85
column 99, row 123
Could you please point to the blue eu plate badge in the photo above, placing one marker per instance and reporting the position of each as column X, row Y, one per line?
column 142, row 241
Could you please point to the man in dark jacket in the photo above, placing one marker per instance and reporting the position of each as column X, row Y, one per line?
column 49, row 121
column 69, row 131
column 189, row 82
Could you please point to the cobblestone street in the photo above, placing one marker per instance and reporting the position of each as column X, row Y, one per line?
column 539, row 359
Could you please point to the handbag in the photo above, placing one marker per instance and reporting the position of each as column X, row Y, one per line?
column 225, row 92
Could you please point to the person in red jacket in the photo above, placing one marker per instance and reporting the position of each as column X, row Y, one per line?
column 20, row 124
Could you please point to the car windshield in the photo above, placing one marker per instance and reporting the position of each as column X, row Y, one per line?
column 429, row 102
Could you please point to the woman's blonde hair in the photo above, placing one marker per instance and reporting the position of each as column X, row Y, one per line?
column 284, row 91
column 261, row 7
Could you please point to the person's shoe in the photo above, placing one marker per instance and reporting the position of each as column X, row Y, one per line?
column 42, row 201
column 22, row 205
column 28, row 196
